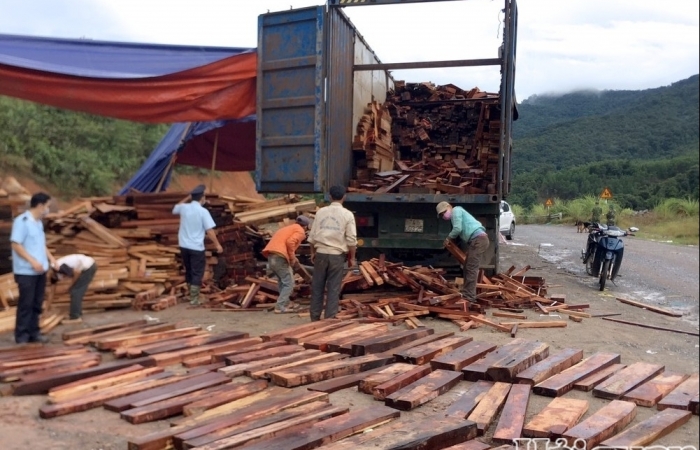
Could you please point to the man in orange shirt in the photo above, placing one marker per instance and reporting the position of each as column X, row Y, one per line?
column 281, row 256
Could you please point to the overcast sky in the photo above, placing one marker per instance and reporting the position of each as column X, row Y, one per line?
column 563, row 45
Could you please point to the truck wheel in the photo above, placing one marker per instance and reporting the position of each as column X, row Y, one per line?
column 511, row 232
column 604, row 271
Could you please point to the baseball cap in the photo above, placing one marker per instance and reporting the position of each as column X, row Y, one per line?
column 442, row 207
column 303, row 221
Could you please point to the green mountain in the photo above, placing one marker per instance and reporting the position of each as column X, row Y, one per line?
column 576, row 144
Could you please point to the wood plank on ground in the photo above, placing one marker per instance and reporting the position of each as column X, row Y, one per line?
column 556, row 418
column 462, row 356
column 651, row 392
column 563, row 382
column 603, row 424
column 423, row 390
column 175, row 357
column 477, row 370
column 335, row 345
column 231, row 393
column 423, row 354
column 506, row 369
column 587, row 384
column 237, row 370
column 384, row 374
column 490, row 405
column 463, row 406
column 549, row 366
column 381, row 391
column 344, row 382
column 652, row 308
column 222, row 355
column 387, row 342
column 297, row 376
column 301, row 337
column 627, row 379
column 649, row 430
column 297, row 329
column 323, row 357
column 680, row 397
column 282, row 350
column 510, row 424
column 321, row 342
column 124, row 402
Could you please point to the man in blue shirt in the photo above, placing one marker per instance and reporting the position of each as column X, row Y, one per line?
column 195, row 223
column 474, row 242
column 30, row 262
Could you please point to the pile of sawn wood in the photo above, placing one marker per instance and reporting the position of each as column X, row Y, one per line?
column 246, row 392
column 429, row 139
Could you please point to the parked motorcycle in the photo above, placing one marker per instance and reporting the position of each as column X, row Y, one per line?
column 603, row 253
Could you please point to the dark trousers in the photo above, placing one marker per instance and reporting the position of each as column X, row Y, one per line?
column 195, row 262
column 31, row 298
column 77, row 291
column 474, row 249
column 328, row 274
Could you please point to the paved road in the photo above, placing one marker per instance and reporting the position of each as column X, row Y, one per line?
column 654, row 272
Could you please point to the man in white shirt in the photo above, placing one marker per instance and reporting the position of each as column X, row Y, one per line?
column 195, row 223
column 81, row 269
column 333, row 239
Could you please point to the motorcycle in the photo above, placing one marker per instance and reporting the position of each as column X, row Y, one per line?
column 603, row 253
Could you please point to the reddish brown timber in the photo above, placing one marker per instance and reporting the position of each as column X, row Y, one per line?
column 422, row 391
column 283, row 350
column 653, row 327
column 681, row 396
column 470, row 445
column 384, row 374
column 231, row 393
column 196, row 383
column 344, row 382
column 563, row 382
column 651, row 392
column 477, row 370
column 323, row 357
column 652, row 308
column 107, row 327
column 428, row 433
column 591, row 381
column 649, row 430
column 344, row 344
column 80, row 362
column 224, row 355
column 463, row 356
column 506, row 369
column 248, row 425
column 381, row 391
column 138, row 339
column 605, row 423
column 205, row 340
column 297, row 376
column 169, row 358
column 237, row 370
column 136, row 328
column 465, row 403
column 490, row 405
column 694, row 405
column 321, row 342
column 423, row 354
column 510, row 424
column 627, row 379
column 557, row 417
column 330, row 430
column 430, row 338
column 389, row 341
column 42, row 384
column 88, row 385
column 301, row 337
column 550, row 366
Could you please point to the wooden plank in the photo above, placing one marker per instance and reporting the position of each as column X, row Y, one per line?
column 605, row 423
column 231, row 393
column 415, row 343
column 591, row 381
column 694, row 407
column 283, row 350
column 344, row 344
column 490, row 405
column 477, row 370
column 124, row 402
column 510, row 424
column 627, row 379
column 552, row 365
column 138, row 339
column 119, row 377
column 321, row 342
column 462, row 356
column 107, row 327
column 681, row 396
column 506, row 369
column 291, row 331
column 465, row 403
column 653, row 327
column 344, row 382
column 651, row 392
column 330, row 430
column 388, row 342
column 237, row 370
column 556, row 418
column 563, row 382
column 297, row 376
column 507, row 315
column 323, row 357
column 384, row 374
column 423, row 354
column 240, row 350
column 196, row 383
column 301, row 337
column 423, row 390
column 649, row 430
column 381, row 391
column 169, row 358
column 652, row 308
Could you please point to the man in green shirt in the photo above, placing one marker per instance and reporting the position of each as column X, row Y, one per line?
column 474, row 241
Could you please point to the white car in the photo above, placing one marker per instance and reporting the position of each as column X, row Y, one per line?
column 507, row 221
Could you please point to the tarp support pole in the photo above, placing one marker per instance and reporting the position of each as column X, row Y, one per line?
column 171, row 163
column 213, row 161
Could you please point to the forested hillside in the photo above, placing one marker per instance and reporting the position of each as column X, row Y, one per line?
column 645, row 143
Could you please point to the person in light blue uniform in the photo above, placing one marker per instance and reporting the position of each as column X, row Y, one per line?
column 30, row 262
column 474, row 241
column 196, row 223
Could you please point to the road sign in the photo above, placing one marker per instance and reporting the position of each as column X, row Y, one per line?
column 606, row 193
column 549, row 202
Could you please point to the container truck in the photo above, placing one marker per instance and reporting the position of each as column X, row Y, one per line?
column 316, row 74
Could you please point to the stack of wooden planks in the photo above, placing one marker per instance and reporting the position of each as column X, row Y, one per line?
column 443, row 140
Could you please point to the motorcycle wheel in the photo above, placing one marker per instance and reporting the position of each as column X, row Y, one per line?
column 589, row 266
column 604, row 271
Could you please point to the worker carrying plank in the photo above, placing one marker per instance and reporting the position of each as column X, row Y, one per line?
column 473, row 240
column 195, row 223
column 81, row 269
column 281, row 256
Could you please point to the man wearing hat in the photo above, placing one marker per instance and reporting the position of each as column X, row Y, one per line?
column 281, row 256
column 195, row 223
column 474, row 241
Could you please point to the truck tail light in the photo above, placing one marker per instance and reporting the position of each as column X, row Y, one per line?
column 364, row 221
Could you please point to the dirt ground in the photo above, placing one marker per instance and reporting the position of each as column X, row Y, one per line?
column 21, row 428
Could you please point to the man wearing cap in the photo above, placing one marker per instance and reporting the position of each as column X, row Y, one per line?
column 195, row 223
column 474, row 242
column 333, row 239
column 81, row 269
column 281, row 256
